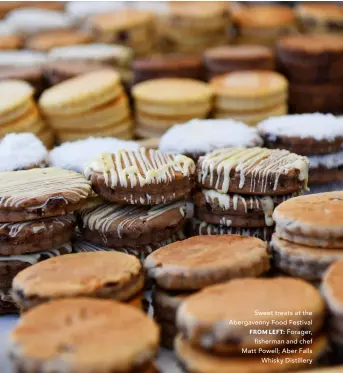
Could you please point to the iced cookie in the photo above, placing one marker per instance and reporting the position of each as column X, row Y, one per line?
column 201, row 261
column 41, row 192
column 233, row 306
column 253, row 171
column 99, row 274
column 144, row 177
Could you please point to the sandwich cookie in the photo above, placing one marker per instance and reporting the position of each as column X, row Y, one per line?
column 198, row 360
column 312, row 220
column 35, row 235
column 143, row 177
column 65, row 326
column 253, row 171
column 236, row 210
column 309, row 263
column 74, row 155
column 117, row 225
column 198, row 262
column 29, row 150
column 12, row 264
column 200, row 314
column 198, row 137
column 99, row 274
column 41, row 192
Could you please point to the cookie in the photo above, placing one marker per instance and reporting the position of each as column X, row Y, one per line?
column 199, row 314
column 116, row 225
column 22, row 58
column 229, row 58
column 29, row 150
column 312, row 220
column 311, row 58
column 326, row 168
column 236, row 210
column 35, row 235
column 171, row 65
column 11, row 265
column 57, row 38
column 306, row 134
column 197, row 360
column 100, row 274
column 10, row 42
column 81, row 94
column 41, row 192
column 309, row 263
column 58, row 71
column 196, row 227
column 253, row 171
column 110, row 323
column 144, row 177
column 198, row 137
column 74, row 155
column 201, row 261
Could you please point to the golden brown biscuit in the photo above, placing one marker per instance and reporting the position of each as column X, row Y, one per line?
column 236, row 305
column 9, row 42
column 204, row 260
column 103, row 274
column 82, row 333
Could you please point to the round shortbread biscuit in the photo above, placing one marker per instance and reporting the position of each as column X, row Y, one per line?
column 62, row 331
column 172, row 91
column 201, row 361
column 103, row 274
column 82, row 93
column 142, row 177
column 309, row 263
column 223, row 315
column 312, row 220
column 13, row 114
column 41, row 192
column 253, row 171
column 204, row 260
column 14, row 94
column 29, row 122
column 29, row 150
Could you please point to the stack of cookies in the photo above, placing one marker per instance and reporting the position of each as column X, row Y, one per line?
column 19, row 112
column 229, row 58
column 161, row 103
column 252, row 325
column 22, row 151
column 263, row 24
column 92, row 327
column 249, row 96
column 191, row 27
column 313, row 65
column 308, row 235
column 320, row 17
column 239, row 188
column 37, row 221
column 92, row 104
column 185, row 267
column 130, row 27
column 317, row 136
column 144, row 195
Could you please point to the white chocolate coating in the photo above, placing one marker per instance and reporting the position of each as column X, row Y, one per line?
column 332, row 160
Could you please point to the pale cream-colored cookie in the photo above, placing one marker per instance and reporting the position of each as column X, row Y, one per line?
column 14, row 94
column 103, row 274
column 225, row 314
column 204, row 260
column 73, row 335
column 312, row 220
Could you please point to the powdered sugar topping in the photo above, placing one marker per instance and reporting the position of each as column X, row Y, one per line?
column 20, row 151
column 203, row 136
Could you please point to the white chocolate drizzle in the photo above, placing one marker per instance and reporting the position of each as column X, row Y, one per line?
column 37, row 257
column 22, row 188
column 131, row 168
column 262, row 165
column 14, row 229
column 102, row 217
column 229, row 202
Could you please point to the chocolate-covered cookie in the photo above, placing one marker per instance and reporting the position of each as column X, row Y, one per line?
column 142, row 177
